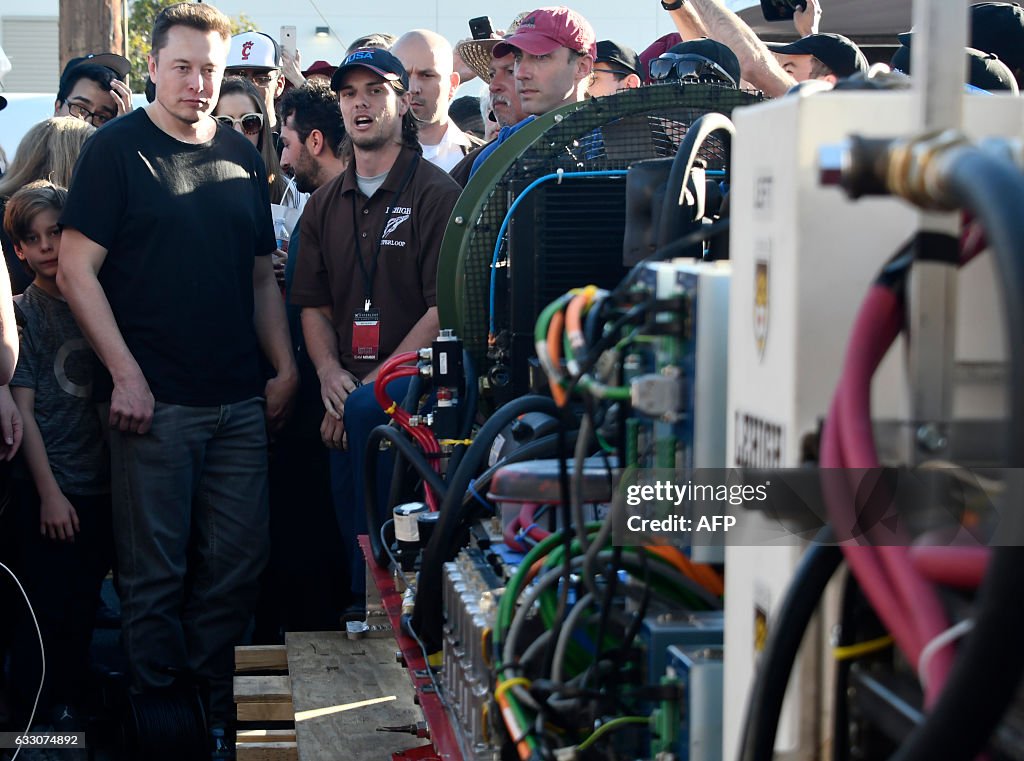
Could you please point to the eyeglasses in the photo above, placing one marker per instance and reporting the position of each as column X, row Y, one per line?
column 688, row 67
column 261, row 78
column 251, row 124
column 95, row 118
column 620, row 72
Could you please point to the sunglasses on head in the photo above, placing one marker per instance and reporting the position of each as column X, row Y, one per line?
column 251, row 123
column 688, row 67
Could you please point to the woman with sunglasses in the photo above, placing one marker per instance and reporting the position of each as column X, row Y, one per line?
column 241, row 108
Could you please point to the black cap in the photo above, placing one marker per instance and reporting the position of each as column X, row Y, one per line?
column 707, row 49
column 116, row 63
column 999, row 28
column 995, row 28
column 839, row 53
column 376, row 60
column 985, row 70
column 619, row 55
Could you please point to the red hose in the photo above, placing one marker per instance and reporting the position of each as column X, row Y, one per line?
column 878, row 323
column 960, row 567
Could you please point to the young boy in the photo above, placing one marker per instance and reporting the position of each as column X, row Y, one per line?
column 62, row 504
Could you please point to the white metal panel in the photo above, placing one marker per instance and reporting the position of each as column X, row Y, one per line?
column 32, row 46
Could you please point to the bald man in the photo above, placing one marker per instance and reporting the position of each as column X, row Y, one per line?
column 427, row 58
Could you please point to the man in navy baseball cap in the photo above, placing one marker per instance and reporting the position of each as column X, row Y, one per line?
column 377, row 60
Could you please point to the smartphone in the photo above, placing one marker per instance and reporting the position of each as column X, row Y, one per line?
column 481, row 27
column 288, row 39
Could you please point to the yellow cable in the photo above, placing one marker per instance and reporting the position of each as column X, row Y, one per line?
column 455, row 442
column 391, row 410
column 849, row 652
column 501, row 689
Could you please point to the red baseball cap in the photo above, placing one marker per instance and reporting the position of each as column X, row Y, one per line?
column 547, row 29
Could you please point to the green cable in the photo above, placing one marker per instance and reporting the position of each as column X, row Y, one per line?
column 611, row 726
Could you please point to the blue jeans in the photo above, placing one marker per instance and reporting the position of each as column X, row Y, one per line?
column 191, row 533
column 362, row 415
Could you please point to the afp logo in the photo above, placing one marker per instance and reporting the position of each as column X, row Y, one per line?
column 761, row 306
column 246, row 50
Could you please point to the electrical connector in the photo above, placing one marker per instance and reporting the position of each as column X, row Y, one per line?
column 658, row 395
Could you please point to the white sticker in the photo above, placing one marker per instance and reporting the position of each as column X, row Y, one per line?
column 499, row 442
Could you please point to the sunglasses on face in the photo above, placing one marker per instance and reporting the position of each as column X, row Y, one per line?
column 251, row 124
column 688, row 67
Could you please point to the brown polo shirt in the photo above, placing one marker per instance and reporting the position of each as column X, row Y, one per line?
column 407, row 216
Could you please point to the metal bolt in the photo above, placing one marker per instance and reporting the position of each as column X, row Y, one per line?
column 930, row 438
column 460, row 220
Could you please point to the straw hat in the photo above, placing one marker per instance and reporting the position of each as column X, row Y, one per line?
column 477, row 53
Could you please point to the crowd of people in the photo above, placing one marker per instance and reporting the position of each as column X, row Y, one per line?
column 205, row 289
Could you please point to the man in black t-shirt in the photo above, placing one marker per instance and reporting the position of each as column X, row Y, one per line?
column 166, row 266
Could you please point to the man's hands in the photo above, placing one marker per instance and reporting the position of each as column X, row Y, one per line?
column 807, row 20
column 332, row 432
column 280, row 261
column 280, row 394
column 335, row 386
column 131, row 404
column 122, row 96
column 291, row 67
column 11, row 424
column 57, row 518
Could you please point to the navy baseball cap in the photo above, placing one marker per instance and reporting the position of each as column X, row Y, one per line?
column 839, row 53
column 377, row 60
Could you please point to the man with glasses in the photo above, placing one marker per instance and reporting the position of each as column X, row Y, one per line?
column 257, row 57
column 616, row 67
column 92, row 89
column 703, row 60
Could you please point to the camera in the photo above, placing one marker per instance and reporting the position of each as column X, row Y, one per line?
column 781, row 10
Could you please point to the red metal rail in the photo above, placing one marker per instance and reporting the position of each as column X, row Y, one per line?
column 442, row 733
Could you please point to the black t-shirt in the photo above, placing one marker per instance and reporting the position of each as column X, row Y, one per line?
column 182, row 224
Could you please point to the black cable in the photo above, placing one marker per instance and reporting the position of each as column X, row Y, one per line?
column 803, row 594
column 427, row 614
column 673, row 249
column 988, row 669
column 679, row 175
column 414, row 457
column 471, row 397
column 568, row 533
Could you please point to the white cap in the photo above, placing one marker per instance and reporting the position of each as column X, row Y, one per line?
column 254, row 50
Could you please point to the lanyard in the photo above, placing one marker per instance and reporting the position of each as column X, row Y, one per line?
column 368, row 276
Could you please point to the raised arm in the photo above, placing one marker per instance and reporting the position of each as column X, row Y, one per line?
column 758, row 65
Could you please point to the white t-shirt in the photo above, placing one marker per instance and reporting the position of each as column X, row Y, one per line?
column 451, row 150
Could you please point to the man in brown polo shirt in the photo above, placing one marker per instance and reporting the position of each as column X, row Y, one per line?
column 367, row 273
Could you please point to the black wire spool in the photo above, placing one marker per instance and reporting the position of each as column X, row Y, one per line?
column 165, row 725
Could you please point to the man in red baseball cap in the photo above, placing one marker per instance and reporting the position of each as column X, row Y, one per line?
column 555, row 50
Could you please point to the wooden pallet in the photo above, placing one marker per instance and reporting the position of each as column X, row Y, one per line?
column 263, row 694
column 334, row 693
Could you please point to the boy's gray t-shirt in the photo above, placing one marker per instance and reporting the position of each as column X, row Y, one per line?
column 56, row 361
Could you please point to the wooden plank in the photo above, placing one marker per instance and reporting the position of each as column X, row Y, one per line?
column 265, row 736
column 281, row 711
column 261, row 658
column 280, row 751
column 262, row 689
column 342, row 690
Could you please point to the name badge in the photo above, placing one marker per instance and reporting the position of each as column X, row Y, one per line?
column 366, row 334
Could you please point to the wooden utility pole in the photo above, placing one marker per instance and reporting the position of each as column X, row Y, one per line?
column 90, row 26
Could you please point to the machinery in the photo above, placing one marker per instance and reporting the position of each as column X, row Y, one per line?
column 850, row 354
